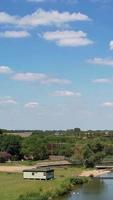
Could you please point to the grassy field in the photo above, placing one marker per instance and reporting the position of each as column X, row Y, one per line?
column 13, row 185
column 25, row 162
column 20, row 163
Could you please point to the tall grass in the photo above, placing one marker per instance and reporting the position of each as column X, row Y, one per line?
column 64, row 188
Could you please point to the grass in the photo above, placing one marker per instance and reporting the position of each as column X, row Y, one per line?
column 64, row 188
column 24, row 162
column 13, row 185
column 20, row 163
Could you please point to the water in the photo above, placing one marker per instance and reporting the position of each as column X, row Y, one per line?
column 101, row 189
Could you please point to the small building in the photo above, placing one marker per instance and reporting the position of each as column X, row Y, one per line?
column 39, row 174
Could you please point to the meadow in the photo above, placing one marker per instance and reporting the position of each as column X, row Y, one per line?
column 12, row 185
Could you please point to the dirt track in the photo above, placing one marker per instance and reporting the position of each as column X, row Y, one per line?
column 19, row 169
column 94, row 172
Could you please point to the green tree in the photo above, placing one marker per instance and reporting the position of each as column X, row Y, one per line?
column 11, row 144
column 35, row 148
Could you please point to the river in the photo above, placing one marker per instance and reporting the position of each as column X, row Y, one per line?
column 98, row 189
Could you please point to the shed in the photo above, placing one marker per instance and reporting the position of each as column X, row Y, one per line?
column 39, row 174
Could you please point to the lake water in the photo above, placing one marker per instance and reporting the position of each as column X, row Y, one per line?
column 98, row 189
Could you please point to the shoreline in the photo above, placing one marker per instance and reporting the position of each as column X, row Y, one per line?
column 84, row 173
column 94, row 172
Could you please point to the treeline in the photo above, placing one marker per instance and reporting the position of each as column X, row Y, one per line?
column 86, row 149
column 76, row 131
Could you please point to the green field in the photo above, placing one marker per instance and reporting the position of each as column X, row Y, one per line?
column 13, row 185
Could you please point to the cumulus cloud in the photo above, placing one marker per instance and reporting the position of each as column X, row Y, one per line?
column 6, row 18
column 7, row 101
column 68, row 38
column 42, row 17
column 66, row 93
column 14, row 34
column 5, row 70
column 102, row 80
column 54, row 17
column 31, row 105
column 111, row 45
column 42, row 78
column 101, row 61
column 107, row 104
column 29, row 76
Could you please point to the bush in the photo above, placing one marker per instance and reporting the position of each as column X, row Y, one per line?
column 4, row 156
column 2, row 159
column 34, row 196
column 78, row 180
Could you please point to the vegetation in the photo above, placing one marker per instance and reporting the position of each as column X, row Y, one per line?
column 86, row 148
column 66, row 186
column 13, row 185
column 12, row 145
column 80, row 147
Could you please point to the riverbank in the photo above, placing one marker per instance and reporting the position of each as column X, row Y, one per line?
column 94, row 172
column 14, row 185
column 65, row 186
column 63, row 189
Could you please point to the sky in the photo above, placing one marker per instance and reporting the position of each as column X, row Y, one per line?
column 56, row 64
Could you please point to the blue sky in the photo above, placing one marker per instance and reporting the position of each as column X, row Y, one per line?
column 56, row 64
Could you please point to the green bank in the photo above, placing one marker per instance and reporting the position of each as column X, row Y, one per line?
column 13, row 185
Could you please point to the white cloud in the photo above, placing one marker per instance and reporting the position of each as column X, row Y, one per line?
column 66, row 93
column 42, row 17
column 68, row 38
column 5, row 18
column 101, row 61
column 111, row 45
column 31, row 105
column 108, row 104
column 14, row 34
column 33, row 77
column 54, row 17
column 5, row 70
column 42, row 78
column 103, row 80
column 7, row 101
column 29, row 76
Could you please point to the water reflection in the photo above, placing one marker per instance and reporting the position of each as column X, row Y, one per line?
column 94, row 186
column 98, row 189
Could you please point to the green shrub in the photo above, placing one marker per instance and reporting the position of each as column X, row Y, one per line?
column 34, row 196
column 78, row 180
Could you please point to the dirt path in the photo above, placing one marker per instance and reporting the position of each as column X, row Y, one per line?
column 19, row 169
column 94, row 172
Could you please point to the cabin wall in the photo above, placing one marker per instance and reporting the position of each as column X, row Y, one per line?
column 38, row 175
column 34, row 175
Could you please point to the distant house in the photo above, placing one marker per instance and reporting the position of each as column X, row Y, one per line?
column 39, row 174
